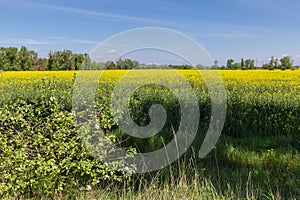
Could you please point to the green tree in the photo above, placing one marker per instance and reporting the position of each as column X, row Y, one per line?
column 41, row 64
column 215, row 64
column 286, row 63
column 2, row 58
column 272, row 63
column 52, row 61
column 110, row 65
column 229, row 63
column 242, row 63
column 276, row 64
column 27, row 58
column 266, row 66
column 236, row 66
column 87, row 62
column 100, row 66
column 65, row 60
column 252, row 64
column 128, row 64
column 120, row 64
column 11, row 54
column 135, row 64
column 249, row 64
column 77, row 61
column 60, row 60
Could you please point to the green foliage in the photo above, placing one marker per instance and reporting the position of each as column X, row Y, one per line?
column 286, row 63
column 41, row 64
column 229, row 63
column 61, row 60
column 27, row 58
column 249, row 64
column 41, row 153
column 125, row 64
column 77, row 61
column 11, row 59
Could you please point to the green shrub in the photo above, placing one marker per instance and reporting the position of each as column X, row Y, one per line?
column 42, row 155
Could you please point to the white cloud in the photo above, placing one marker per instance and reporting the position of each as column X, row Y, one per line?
column 234, row 35
column 23, row 42
column 111, row 51
column 100, row 15
column 84, row 41
column 58, row 37
column 71, row 40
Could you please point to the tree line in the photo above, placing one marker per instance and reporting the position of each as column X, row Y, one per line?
column 283, row 63
column 23, row 59
column 14, row 59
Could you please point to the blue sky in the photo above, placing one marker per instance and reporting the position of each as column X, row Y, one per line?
column 255, row 29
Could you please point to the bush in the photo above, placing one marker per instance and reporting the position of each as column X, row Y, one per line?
column 41, row 154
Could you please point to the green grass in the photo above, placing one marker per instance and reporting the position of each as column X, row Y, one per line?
column 238, row 168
